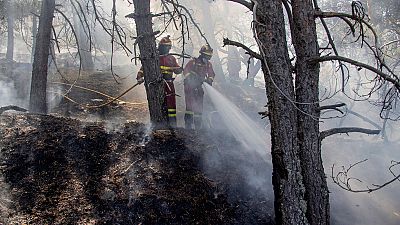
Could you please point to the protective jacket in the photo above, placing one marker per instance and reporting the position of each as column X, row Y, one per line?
column 169, row 67
column 196, row 72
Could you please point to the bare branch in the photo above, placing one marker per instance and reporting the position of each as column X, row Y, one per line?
column 390, row 43
column 365, row 119
column 342, row 179
column 335, row 106
column 134, row 15
column 238, row 44
column 332, row 43
column 108, row 30
column 385, row 76
column 346, row 130
column 244, row 3
column 77, row 44
column 179, row 6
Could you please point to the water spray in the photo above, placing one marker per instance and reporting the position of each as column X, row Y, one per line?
column 245, row 130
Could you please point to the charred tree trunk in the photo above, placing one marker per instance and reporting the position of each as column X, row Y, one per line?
column 290, row 207
column 10, row 37
column 38, row 103
column 150, row 63
column 304, row 37
column 86, row 54
column 34, row 30
column 34, row 34
column 52, row 61
column 84, row 42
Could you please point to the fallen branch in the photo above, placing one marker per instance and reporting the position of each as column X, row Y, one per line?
column 12, row 107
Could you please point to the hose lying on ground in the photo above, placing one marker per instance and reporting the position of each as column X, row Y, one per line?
column 101, row 105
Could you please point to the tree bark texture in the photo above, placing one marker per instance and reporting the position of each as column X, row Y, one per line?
column 84, row 42
column 38, row 102
column 290, row 207
column 304, row 37
column 34, row 34
column 150, row 63
column 10, row 36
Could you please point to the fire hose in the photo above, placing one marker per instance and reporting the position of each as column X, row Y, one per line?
column 114, row 99
column 101, row 105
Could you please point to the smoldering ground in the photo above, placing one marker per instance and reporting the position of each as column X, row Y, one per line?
column 62, row 170
column 252, row 176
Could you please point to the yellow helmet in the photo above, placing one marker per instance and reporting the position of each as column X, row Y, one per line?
column 206, row 50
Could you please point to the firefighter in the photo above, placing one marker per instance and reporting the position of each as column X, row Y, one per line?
column 197, row 71
column 169, row 67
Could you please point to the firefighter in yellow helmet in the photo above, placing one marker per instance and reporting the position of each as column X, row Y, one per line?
column 197, row 71
column 169, row 67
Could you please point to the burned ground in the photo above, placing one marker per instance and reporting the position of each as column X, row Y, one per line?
column 56, row 170
column 99, row 168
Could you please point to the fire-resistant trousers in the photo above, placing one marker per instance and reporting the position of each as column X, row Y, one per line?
column 171, row 102
column 194, row 106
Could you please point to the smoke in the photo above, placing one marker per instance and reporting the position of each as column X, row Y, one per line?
column 246, row 131
column 243, row 150
column 379, row 207
column 8, row 93
column 341, row 151
column 250, row 143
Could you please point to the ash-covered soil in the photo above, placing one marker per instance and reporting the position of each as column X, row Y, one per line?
column 56, row 170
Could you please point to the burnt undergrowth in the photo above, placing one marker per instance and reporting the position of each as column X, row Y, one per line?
column 56, row 170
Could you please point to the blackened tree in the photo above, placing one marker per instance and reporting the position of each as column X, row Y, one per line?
column 38, row 102
column 301, row 192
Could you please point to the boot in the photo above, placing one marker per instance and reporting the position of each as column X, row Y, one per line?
column 172, row 122
column 198, row 122
column 188, row 121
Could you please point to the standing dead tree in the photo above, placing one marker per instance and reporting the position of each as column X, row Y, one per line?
column 150, row 62
column 301, row 192
column 10, row 36
column 84, row 34
column 38, row 102
column 175, row 14
column 64, row 35
column 289, row 189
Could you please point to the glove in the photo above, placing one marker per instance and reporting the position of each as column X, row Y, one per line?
column 209, row 81
column 178, row 71
column 140, row 80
